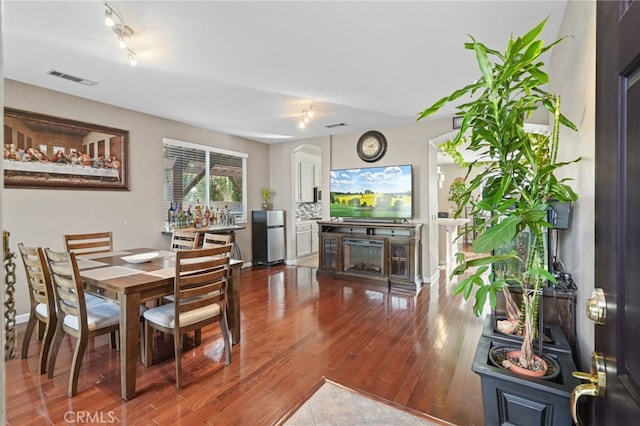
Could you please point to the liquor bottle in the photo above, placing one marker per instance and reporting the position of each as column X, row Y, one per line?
column 189, row 217
column 180, row 216
column 198, row 216
column 171, row 215
column 207, row 217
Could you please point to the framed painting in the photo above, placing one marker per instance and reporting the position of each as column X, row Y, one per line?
column 42, row 151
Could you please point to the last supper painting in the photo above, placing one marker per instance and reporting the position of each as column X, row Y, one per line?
column 42, row 151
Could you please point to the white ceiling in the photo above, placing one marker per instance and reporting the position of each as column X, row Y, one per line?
column 249, row 68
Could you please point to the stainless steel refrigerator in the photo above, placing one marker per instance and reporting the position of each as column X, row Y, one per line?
column 267, row 236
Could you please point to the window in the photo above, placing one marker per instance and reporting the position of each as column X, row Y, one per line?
column 211, row 177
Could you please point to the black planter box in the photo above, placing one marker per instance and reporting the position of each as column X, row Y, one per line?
column 559, row 341
column 511, row 399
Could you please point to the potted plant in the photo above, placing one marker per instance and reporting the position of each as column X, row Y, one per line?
column 267, row 193
column 516, row 183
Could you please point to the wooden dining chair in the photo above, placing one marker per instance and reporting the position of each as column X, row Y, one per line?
column 211, row 240
column 75, row 317
column 200, row 286
column 42, row 311
column 97, row 242
column 184, row 240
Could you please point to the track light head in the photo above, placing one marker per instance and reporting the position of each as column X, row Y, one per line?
column 115, row 21
column 132, row 58
column 108, row 17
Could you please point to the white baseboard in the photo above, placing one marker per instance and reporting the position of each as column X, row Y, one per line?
column 21, row 319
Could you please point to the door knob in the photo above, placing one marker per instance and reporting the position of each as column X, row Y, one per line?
column 596, row 387
column 597, row 306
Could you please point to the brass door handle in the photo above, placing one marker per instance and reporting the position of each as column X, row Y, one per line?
column 597, row 387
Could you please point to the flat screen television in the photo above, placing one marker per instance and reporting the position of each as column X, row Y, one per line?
column 372, row 192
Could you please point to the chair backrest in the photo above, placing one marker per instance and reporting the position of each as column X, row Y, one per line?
column 201, row 280
column 212, row 240
column 97, row 242
column 38, row 278
column 184, row 240
column 68, row 288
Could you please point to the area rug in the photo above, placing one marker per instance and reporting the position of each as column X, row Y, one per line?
column 334, row 404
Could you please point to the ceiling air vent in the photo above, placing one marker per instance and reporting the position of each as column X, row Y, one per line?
column 72, row 78
column 331, row 126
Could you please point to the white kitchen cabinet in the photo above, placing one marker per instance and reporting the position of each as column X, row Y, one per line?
column 303, row 239
column 314, row 238
column 317, row 176
column 305, row 182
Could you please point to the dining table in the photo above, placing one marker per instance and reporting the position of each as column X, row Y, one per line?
column 133, row 277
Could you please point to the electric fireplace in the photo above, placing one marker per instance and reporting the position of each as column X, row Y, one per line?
column 363, row 256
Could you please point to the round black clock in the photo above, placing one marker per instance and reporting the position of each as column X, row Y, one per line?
column 371, row 146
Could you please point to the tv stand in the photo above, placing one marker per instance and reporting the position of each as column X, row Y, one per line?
column 388, row 255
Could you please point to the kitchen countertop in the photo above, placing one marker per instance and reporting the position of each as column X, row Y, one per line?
column 451, row 221
column 308, row 220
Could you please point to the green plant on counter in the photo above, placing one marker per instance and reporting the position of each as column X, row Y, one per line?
column 267, row 194
column 266, row 197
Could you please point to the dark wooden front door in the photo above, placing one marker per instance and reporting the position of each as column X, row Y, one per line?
column 618, row 208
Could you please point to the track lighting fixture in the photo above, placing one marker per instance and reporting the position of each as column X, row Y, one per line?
column 115, row 21
column 108, row 17
column 132, row 57
column 305, row 116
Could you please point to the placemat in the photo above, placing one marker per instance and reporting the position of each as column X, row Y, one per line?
column 85, row 263
column 163, row 273
column 98, row 255
column 167, row 253
column 109, row 272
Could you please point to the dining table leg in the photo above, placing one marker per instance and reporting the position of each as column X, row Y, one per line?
column 233, row 305
column 129, row 343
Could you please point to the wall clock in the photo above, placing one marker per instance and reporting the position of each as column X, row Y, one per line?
column 371, row 146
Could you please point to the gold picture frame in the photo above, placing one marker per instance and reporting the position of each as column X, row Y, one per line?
column 42, row 151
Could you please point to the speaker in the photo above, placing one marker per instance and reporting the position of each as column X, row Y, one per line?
column 559, row 214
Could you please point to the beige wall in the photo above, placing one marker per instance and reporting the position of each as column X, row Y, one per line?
column 573, row 75
column 40, row 217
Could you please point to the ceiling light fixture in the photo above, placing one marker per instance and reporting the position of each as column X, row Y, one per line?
column 132, row 57
column 305, row 116
column 108, row 17
column 115, row 21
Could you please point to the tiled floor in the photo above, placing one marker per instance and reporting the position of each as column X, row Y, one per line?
column 310, row 261
column 335, row 405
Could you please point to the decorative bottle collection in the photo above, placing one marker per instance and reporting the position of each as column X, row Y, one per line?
column 178, row 218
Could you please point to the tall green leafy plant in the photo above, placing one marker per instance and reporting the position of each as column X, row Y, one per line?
column 517, row 180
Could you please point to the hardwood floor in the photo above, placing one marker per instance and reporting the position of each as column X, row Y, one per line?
column 296, row 329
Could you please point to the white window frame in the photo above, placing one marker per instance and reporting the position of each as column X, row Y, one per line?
column 208, row 149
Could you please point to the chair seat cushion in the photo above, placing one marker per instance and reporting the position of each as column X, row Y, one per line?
column 100, row 315
column 91, row 299
column 42, row 310
column 165, row 315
